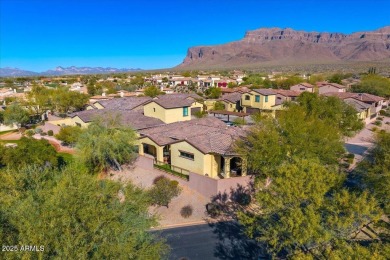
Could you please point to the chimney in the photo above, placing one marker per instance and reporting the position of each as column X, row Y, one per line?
column 103, row 94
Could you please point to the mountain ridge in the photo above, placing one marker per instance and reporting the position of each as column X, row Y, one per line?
column 288, row 46
column 59, row 70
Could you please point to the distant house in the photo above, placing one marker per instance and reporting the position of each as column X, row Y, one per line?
column 133, row 119
column 363, row 109
column 331, row 87
column 283, row 95
column 258, row 100
column 169, row 110
column 125, row 103
column 202, row 146
column 377, row 103
column 301, row 87
column 232, row 102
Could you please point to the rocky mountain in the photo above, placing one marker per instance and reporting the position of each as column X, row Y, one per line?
column 14, row 72
column 85, row 70
column 275, row 46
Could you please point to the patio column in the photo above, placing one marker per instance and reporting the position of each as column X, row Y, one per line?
column 141, row 149
column 244, row 166
column 227, row 166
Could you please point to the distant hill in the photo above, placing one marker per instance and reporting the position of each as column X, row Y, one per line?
column 14, row 72
column 58, row 71
column 275, row 46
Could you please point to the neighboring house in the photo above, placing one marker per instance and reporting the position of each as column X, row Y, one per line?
column 283, row 95
column 169, row 110
column 232, row 102
column 125, row 103
column 363, row 109
column 179, row 81
column 331, row 87
column 258, row 100
column 202, row 146
column 133, row 119
column 301, row 87
column 377, row 103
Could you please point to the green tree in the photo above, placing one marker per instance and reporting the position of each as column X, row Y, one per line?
column 76, row 216
column 163, row 191
column 373, row 84
column 69, row 134
column 152, row 91
column 376, row 171
column 106, row 144
column 15, row 114
column 332, row 110
column 219, row 105
column 302, row 206
column 65, row 101
column 30, row 152
column 213, row 92
column 336, row 78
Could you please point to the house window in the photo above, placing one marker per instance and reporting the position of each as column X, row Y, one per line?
column 187, row 155
column 257, row 98
column 302, row 89
column 247, row 97
column 266, row 99
column 185, row 111
column 154, row 109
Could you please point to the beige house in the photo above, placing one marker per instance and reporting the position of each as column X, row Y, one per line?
column 376, row 103
column 331, row 87
column 126, row 103
column 232, row 102
column 203, row 146
column 363, row 110
column 133, row 119
column 301, row 87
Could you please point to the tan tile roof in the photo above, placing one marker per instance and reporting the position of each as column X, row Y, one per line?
column 125, row 103
column 134, row 119
column 364, row 97
column 209, row 135
column 265, row 91
column 233, row 97
column 358, row 105
column 287, row 93
column 333, row 85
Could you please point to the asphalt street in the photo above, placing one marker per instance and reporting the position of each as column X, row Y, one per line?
column 223, row 240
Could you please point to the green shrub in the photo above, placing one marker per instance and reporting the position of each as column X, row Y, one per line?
column 164, row 191
column 380, row 118
column 200, row 114
column 186, row 211
column 29, row 133
column 50, row 133
column 38, row 130
column 350, row 155
column 374, row 129
column 159, row 178
column 43, row 134
column 378, row 123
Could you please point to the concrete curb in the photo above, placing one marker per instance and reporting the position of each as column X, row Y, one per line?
column 187, row 224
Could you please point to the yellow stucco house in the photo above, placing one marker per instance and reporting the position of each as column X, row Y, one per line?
column 203, row 146
column 232, row 101
column 173, row 107
column 259, row 100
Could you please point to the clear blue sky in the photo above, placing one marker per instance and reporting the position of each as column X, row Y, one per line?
column 41, row 34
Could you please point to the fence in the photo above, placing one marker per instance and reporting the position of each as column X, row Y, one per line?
column 177, row 171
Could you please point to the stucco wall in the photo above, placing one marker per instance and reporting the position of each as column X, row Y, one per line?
column 159, row 149
column 197, row 165
column 262, row 104
column 166, row 115
column 210, row 187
